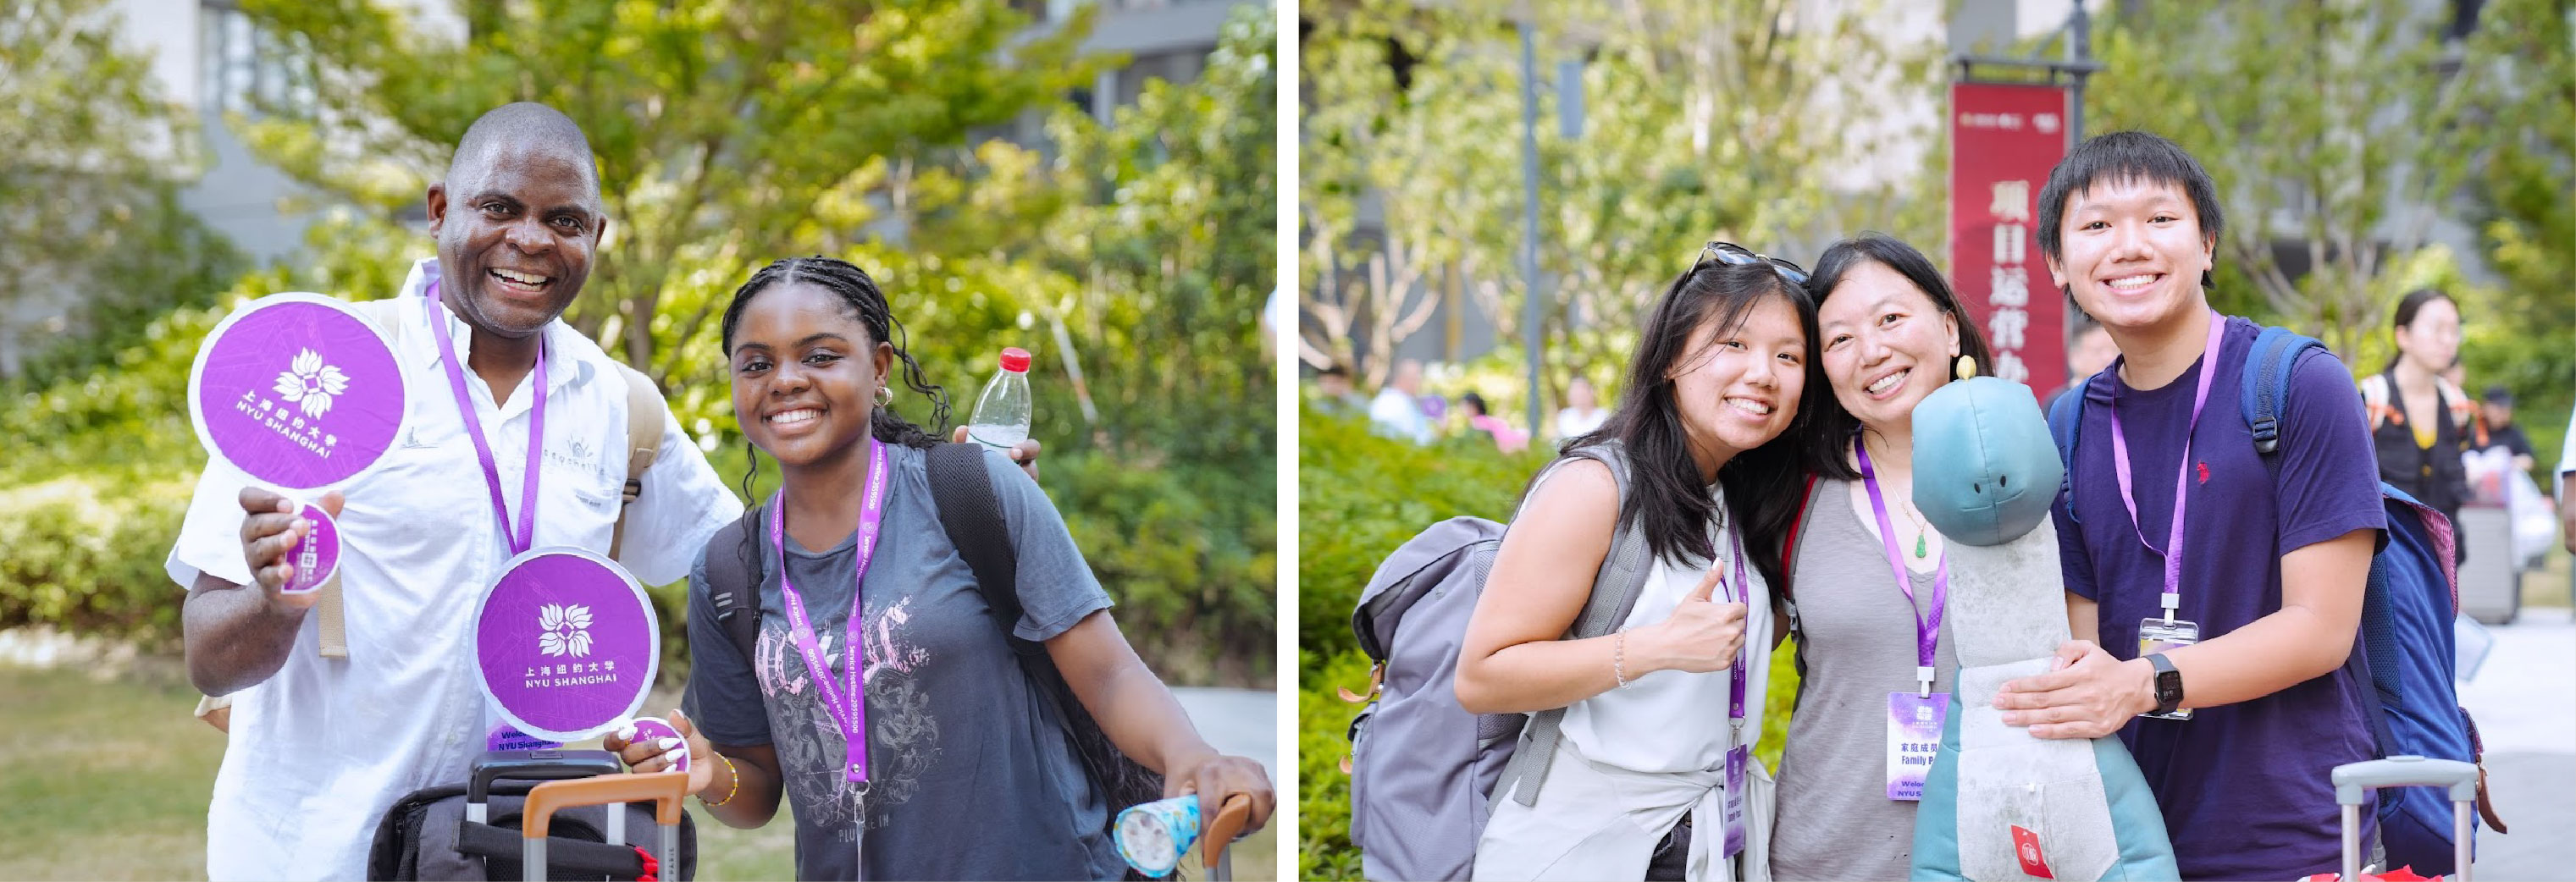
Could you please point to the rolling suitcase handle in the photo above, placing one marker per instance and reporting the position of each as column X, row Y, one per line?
column 529, row 765
column 664, row 789
column 1219, row 836
column 2354, row 780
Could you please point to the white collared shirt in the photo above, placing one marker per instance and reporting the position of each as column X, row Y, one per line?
column 319, row 751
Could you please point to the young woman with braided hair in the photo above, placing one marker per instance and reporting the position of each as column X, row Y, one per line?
column 967, row 772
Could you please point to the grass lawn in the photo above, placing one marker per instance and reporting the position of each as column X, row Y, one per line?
column 108, row 779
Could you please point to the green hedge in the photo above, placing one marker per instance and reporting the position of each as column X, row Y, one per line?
column 1359, row 497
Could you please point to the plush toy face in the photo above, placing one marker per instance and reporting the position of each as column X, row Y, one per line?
column 1985, row 470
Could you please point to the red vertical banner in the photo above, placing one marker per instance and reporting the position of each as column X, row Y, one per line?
column 2004, row 138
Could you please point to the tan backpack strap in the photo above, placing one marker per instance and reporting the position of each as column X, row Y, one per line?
column 331, row 624
column 2374, row 401
column 217, row 711
column 643, row 443
column 330, row 619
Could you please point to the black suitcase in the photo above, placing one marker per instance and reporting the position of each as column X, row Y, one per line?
column 471, row 830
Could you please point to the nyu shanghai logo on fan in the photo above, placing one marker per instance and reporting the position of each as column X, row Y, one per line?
column 310, row 386
column 563, row 631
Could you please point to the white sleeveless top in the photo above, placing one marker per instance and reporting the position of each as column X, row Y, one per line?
column 1673, row 721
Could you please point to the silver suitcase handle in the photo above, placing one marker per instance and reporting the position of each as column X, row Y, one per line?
column 2355, row 779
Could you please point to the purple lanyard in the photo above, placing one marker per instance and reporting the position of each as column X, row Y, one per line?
column 2182, row 477
column 846, row 699
column 526, row 534
column 1927, row 632
column 1736, row 593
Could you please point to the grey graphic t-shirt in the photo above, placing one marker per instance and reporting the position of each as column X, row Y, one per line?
column 971, row 775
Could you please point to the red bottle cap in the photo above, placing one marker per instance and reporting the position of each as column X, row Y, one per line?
column 1015, row 360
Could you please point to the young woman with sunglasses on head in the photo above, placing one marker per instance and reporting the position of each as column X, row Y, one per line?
column 1659, row 717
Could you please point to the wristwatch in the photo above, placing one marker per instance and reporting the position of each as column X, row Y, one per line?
column 2168, row 683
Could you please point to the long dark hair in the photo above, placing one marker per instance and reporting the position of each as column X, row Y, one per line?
column 1834, row 425
column 1666, row 496
column 2413, row 303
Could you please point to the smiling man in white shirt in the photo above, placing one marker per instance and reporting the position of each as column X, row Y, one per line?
column 321, row 747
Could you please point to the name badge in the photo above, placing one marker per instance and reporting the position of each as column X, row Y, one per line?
column 1913, row 736
column 1734, row 802
column 2165, row 635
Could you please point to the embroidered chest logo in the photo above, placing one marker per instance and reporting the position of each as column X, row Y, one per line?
column 311, row 385
column 2204, row 471
column 565, row 630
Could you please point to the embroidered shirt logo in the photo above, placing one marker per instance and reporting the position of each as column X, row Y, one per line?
column 311, row 385
column 2204, row 471
column 566, row 630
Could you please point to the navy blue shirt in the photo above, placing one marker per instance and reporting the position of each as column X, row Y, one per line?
column 2244, row 787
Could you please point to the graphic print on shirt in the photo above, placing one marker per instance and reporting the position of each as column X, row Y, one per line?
column 906, row 735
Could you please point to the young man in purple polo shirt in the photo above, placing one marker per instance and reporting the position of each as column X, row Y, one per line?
column 2258, row 618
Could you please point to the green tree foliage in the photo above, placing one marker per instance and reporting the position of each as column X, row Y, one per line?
column 727, row 133
column 2396, row 128
column 91, row 231
column 2345, row 172
column 1701, row 120
column 2526, row 338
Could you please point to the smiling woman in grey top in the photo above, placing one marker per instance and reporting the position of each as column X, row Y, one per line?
column 1892, row 332
column 1835, row 820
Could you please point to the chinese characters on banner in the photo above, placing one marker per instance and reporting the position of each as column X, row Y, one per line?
column 2004, row 138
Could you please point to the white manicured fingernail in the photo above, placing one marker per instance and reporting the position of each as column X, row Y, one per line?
column 626, row 734
column 671, row 759
column 669, row 743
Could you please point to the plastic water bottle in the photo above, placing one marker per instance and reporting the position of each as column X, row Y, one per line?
column 1001, row 418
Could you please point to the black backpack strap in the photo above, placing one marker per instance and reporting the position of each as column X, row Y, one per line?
column 733, row 583
column 972, row 514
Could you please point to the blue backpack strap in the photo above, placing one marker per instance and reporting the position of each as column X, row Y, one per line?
column 2268, row 365
column 2065, row 420
column 2264, row 398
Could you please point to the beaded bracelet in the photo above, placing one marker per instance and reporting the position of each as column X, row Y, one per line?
column 731, row 774
column 1619, row 659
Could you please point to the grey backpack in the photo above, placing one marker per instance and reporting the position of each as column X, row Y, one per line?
column 1422, row 768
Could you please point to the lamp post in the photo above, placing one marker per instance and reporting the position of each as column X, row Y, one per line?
column 1533, row 309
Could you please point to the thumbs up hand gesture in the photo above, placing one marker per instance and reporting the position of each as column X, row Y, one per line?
column 1702, row 635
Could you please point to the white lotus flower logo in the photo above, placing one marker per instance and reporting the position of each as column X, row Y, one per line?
column 567, row 630
column 310, row 384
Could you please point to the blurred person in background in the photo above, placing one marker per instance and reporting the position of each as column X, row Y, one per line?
column 2088, row 351
column 1397, row 411
column 1333, row 392
column 2499, row 430
column 1583, row 412
column 2419, row 421
column 1479, row 419
column 2566, row 487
